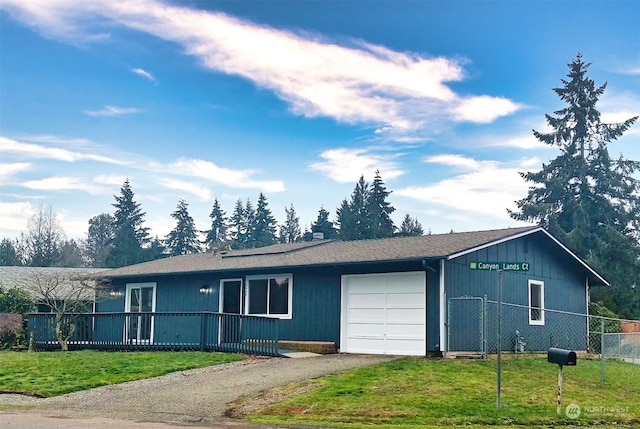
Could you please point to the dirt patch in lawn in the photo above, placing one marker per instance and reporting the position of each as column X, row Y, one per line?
column 251, row 404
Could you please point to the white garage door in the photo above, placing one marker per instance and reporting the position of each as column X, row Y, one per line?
column 384, row 314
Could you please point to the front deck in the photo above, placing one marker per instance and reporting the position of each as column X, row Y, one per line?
column 202, row 331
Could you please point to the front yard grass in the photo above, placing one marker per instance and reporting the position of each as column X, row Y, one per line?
column 441, row 393
column 56, row 373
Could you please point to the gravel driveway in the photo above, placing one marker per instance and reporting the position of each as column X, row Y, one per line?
column 194, row 396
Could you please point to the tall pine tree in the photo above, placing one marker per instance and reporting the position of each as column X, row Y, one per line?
column 352, row 216
column 182, row 239
column 410, row 227
column 290, row 230
column 263, row 232
column 324, row 225
column 130, row 236
column 218, row 236
column 584, row 197
column 379, row 210
column 238, row 226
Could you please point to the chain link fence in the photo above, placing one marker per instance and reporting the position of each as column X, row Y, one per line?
column 466, row 325
column 472, row 324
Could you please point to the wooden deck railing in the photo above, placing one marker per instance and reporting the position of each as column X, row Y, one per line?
column 205, row 331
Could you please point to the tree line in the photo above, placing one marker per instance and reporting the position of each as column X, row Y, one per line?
column 586, row 198
column 120, row 239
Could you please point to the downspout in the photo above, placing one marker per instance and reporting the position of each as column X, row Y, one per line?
column 443, row 299
column 588, row 298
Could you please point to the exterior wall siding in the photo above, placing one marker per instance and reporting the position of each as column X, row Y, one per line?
column 564, row 290
column 315, row 302
column 316, row 294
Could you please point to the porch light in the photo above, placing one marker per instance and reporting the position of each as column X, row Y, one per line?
column 115, row 293
column 205, row 289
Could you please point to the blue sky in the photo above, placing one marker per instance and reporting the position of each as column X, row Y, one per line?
column 226, row 99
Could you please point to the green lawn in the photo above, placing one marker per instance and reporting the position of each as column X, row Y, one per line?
column 426, row 393
column 56, row 373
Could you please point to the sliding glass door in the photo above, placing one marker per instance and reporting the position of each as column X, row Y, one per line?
column 141, row 298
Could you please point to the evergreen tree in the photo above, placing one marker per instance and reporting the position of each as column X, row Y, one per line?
column 324, row 225
column 8, row 253
column 263, row 232
column 290, row 231
column 249, row 225
column 352, row 216
column 379, row 210
column 99, row 240
column 70, row 255
column 584, row 197
column 218, row 236
column 238, row 226
column 410, row 227
column 130, row 236
column 156, row 250
column 182, row 239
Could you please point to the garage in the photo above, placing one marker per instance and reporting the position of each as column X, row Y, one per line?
column 384, row 314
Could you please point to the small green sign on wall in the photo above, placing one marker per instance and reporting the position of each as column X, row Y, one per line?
column 495, row 266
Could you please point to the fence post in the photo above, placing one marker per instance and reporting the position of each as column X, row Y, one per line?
column 485, row 333
column 448, row 326
column 203, row 333
column 602, row 351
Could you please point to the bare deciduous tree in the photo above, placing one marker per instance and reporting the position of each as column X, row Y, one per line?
column 67, row 293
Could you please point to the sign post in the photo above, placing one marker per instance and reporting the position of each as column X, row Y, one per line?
column 499, row 342
column 500, row 267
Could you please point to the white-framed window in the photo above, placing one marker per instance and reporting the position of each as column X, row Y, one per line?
column 269, row 295
column 536, row 302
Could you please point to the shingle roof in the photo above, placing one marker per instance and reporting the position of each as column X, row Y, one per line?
column 327, row 252
column 23, row 277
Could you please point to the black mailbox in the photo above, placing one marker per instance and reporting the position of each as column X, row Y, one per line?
column 562, row 356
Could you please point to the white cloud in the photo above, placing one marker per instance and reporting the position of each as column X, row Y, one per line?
column 347, row 165
column 113, row 111
column 482, row 187
column 143, row 73
column 60, row 183
column 109, row 179
column 616, row 106
column 13, row 217
column 352, row 82
column 226, row 176
column 201, row 192
column 484, row 109
column 9, row 170
column 60, row 140
column 30, row 150
column 458, row 161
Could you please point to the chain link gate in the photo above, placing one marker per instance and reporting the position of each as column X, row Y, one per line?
column 466, row 325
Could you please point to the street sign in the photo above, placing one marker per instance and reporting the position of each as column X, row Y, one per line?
column 495, row 266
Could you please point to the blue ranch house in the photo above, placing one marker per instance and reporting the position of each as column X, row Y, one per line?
column 397, row 296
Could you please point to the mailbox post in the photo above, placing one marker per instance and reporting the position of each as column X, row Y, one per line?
column 561, row 357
